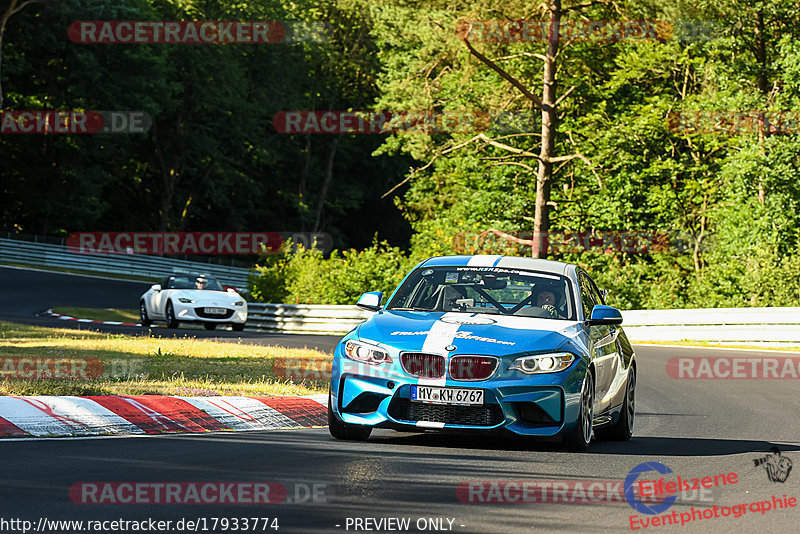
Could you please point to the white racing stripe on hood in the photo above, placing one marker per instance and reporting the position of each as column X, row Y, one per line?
column 483, row 261
column 440, row 336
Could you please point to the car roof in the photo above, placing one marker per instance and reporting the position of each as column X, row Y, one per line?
column 506, row 262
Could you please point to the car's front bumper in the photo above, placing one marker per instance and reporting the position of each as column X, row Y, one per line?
column 532, row 405
column 195, row 312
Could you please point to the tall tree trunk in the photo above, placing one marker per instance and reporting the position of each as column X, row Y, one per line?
column 544, row 174
column 2, row 31
column 326, row 184
column 13, row 8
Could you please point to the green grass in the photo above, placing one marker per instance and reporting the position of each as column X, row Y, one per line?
column 100, row 314
column 144, row 365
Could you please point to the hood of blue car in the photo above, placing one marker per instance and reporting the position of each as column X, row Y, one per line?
column 469, row 333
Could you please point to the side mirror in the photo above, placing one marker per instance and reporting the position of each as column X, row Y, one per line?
column 230, row 289
column 604, row 315
column 370, row 301
column 156, row 287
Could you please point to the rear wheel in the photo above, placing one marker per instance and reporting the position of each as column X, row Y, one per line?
column 622, row 430
column 144, row 319
column 210, row 326
column 172, row 322
column 341, row 430
column 580, row 436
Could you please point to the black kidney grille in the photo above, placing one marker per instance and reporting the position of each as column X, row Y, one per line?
column 487, row 415
column 423, row 365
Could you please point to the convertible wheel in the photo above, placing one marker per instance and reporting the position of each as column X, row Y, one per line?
column 622, row 430
column 172, row 322
column 341, row 430
column 210, row 326
column 144, row 319
column 580, row 436
column 237, row 327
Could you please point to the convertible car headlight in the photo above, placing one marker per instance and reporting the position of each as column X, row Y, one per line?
column 543, row 363
column 186, row 301
column 366, row 353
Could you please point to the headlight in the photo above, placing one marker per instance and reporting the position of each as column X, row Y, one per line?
column 186, row 301
column 239, row 303
column 366, row 353
column 543, row 363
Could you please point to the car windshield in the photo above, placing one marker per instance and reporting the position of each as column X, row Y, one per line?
column 486, row 290
column 194, row 282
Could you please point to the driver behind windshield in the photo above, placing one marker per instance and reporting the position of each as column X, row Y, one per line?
column 546, row 300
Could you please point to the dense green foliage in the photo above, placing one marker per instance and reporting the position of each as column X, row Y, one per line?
column 213, row 160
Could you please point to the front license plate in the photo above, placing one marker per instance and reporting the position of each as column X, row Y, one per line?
column 459, row 396
column 216, row 311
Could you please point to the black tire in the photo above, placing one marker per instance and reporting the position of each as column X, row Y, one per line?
column 237, row 327
column 210, row 326
column 172, row 321
column 144, row 319
column 580, row 436
column 622, row 430
column 341, row 430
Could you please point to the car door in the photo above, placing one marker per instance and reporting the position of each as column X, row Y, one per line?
column 602, row 339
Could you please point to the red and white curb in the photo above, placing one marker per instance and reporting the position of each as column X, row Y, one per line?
column 50, row 416
column 51, row 313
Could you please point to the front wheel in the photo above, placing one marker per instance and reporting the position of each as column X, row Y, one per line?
column 580, row 436
column 210, row 326
column 172, row 322
column 144, row 319
column 341, row 430
column 622, row 430
column 237, row 327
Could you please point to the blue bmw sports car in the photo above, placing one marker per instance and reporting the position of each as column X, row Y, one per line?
column 487, row 343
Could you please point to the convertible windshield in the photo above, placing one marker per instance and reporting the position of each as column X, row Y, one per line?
column 193, row 282
column 486, row 290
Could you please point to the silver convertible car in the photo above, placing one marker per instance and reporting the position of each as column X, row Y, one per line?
column 189, row 298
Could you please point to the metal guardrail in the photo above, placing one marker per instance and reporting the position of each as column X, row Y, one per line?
column 730, row 325
column 736, row 325
column 155, row 267
column 304, row 318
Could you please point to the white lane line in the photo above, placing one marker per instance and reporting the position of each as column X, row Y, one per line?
column 764, row 350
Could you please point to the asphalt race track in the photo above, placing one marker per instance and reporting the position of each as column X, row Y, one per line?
column 697, row 428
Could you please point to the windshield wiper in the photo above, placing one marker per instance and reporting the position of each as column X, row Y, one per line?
column 412, row 309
